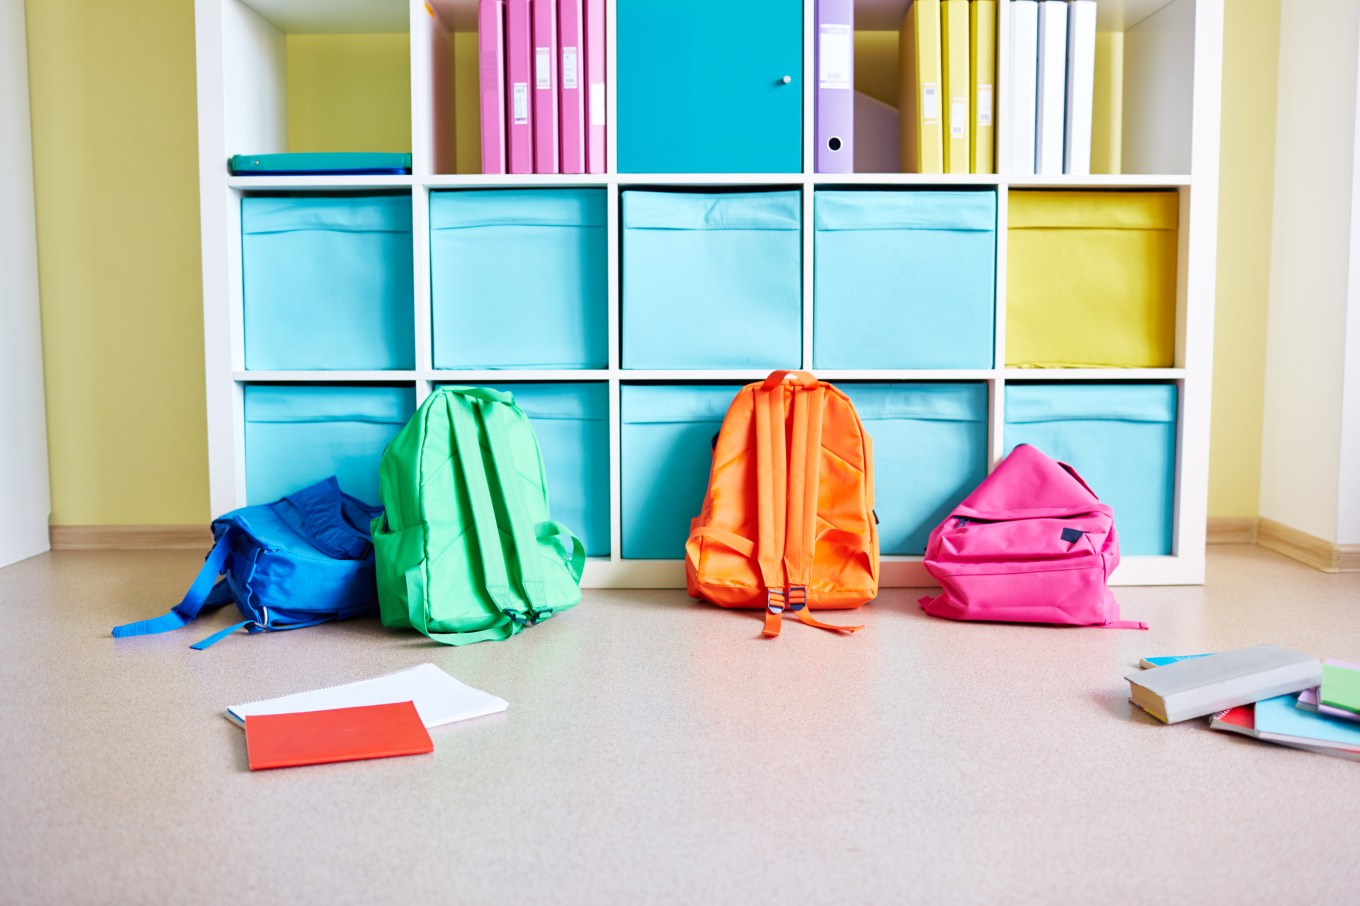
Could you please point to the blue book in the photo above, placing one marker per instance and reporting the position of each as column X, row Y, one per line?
column 1148, row 662
column 1280, row 715
column 346, row 163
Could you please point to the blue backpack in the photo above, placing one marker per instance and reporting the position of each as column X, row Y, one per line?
column 299, row 561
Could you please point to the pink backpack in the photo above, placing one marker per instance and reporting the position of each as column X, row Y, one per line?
column 1031, row 544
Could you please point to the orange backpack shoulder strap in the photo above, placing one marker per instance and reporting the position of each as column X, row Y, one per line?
column 771, row 498
column 805, row 468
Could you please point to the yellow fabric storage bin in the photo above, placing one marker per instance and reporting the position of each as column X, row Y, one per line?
column 1091, row 279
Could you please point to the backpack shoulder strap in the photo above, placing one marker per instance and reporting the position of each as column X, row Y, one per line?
column 771, row 499
column 507, row 487
column 195, row 599
column 805, row 467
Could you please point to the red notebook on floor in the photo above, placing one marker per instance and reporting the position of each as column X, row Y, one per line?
column 340, row 734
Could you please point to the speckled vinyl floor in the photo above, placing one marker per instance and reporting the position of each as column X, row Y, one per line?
column 659, row 751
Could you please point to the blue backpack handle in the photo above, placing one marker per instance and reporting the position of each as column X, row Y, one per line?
column 321, row 507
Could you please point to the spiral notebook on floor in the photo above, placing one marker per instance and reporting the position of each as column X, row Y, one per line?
column 340, row 734
column 438, row 697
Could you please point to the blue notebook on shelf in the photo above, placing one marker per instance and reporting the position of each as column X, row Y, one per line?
column 340, row 163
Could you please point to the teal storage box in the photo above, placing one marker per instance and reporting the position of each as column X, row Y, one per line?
column 712, row 280
column 1121, row 438
column 571, row 422
column 904, row 279
column 519, row 278
column 667, row 449
column 930, row 451
column 299, row 434
column 327, row 282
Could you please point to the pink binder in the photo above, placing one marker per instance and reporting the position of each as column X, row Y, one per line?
column 570, row 31
column 834, row 112
column 544, row 15
column 491, row 78
column 594, row 82
column 518, row 104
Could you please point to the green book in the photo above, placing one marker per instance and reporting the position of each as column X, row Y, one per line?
column 319, row 163
column 1340, row 686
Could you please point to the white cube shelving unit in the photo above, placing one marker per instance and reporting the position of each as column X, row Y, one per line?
column 1172, row 60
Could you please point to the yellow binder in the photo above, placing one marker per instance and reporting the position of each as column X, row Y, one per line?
column 954, row 65
column 982, row 78
column 922, row 135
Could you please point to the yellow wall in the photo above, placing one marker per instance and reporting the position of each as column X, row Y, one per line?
column 349, row 92
column 115, row 145
column 1246, row 184
column 114, row 139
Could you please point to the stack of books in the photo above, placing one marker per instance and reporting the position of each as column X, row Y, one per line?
column 1264, row 691
column 1052, row 79
column 541, row 66
column 947, row 62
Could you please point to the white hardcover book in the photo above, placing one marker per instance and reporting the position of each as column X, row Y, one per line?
column 1052, row 88
column 1206, row 685
column 1081, row 77
column 1024, row 47
column 438, row 697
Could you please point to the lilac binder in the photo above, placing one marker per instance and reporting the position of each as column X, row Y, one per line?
column 544, row 18
column 570, row 34
column 834, row 112
column 491, row 79
column 594, row 84
column 518, row 104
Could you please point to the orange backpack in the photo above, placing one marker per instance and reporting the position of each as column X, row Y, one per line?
column 788, row 521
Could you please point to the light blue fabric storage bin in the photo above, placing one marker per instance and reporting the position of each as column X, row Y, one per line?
column 904, row 279
column 299, row 434
column 930, row 451
column 519, row 278
column 712, row 280
column 667, row 449
column 1121, row 438
column 571, row 422
column 327, row 282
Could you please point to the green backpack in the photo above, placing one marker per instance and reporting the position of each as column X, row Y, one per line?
column 465, row 549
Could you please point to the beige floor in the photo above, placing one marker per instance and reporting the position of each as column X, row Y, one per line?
column 657, row 750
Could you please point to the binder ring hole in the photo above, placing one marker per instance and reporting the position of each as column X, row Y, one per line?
column 834, row 143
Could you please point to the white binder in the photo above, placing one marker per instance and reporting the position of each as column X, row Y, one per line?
column 1050, row 117
column 1081, row 76
column 1024, row 84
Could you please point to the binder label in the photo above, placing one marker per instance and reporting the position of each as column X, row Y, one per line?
column 984, row 105
column 930, row 102
column 568, row 68
column 958, row 117
column 542, row 68
column 519, row 113
column 834, row 50
column 597, row 103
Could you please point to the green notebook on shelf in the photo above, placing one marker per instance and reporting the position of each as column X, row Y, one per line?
column 346, row 163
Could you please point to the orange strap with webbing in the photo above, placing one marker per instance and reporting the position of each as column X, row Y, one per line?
column 788, row 480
